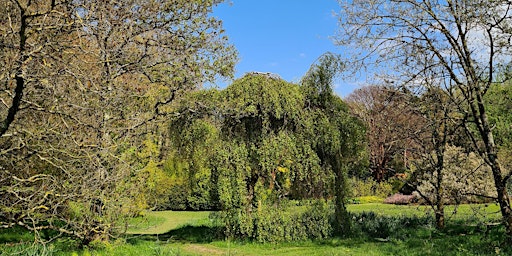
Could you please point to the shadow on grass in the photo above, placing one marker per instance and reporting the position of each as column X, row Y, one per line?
column 188, row 233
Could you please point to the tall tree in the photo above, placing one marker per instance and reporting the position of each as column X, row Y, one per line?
column 461, row 44
column 83, row 83
column 263, row 112
column 339, row 136
column 392, row 127
column 438, row 128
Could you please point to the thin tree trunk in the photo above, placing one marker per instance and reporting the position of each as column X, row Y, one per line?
column 503, row 198
column 440, row 150
column 439, row 210
column 15, row 106
column 440, row 214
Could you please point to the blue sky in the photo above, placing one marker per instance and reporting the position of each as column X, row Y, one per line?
column 281, row 36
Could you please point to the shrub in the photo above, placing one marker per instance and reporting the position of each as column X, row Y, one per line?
column 401, row 199
column 283, row 223
column 378, row 226
column 369, row 187
column 465, row 175
column 178, row 195
column 369, row 199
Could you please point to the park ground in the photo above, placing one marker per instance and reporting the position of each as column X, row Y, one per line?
column 384, row 230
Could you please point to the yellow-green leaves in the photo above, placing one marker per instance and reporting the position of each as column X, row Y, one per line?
column 269, row 98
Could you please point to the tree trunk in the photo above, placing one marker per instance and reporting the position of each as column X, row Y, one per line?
column 440, row 215
column 440, row 149
column 503, row 199
column 491, row 153
column 15, row 106
column 342, row 219
column 20, row 81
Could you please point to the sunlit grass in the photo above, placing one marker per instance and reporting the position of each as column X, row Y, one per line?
column 164, row 221
column 464, row 212
column 190, row 233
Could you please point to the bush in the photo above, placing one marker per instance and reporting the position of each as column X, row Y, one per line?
column 401, row 199
column 378, row 226
column 369, row 199
column 465, row 175
column 275, row 224
column 369, row 187
column 178, row 195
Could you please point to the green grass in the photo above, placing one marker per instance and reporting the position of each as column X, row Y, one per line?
column 153, row 223
column 197, row 236
column 193, row 233
column 465, row 212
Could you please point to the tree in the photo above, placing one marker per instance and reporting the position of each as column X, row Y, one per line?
column 84, row 83
column 462, row 45
column 466, row 179
column 338, row 136
column 263, row 113
column 276, row 141
column 439, row 124
column 393, row 126
column 262, row 158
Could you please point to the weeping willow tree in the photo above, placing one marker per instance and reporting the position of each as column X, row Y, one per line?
column 338, row 136
column 277, row 141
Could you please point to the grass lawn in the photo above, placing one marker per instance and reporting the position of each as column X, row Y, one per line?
column 153, row 223
column 164, row 221
column 464, row 212
column 193, row 233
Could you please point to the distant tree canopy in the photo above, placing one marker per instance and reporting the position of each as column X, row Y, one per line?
column 394, row 127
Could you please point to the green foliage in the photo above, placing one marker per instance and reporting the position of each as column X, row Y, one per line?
column 153, row 183
column 367, row 200
column 369, row 187
column 258, row 104
column 378, row 226
column 196, row 142
column 146, row 183
column 258, row 143
column 233, row 170
column 337, row 136
column 284, row 223
column 499, row 107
